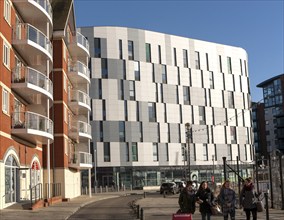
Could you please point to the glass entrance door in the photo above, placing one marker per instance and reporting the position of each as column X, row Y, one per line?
column 11, row 177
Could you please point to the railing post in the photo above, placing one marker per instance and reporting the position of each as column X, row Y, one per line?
column 266, row 205
column 138, row 211
column 142, row 214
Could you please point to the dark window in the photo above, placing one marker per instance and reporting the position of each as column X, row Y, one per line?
column 197, row 60
column 101, row 131
column 130, row 50
column 104, row 68
column 148, row 53
column 120, row 50
column 211, row 80
column 233, row 135
column 186, row 95
column 132, row 90
column 121, row 89
column 220, row 64
column 97, row 42
column 152, row 112
column 134, row 152
column 207, row 62
column 125, row 110
column 127, row 151
column 160, row 54
column 121, row 131
column 155, row 152
column 185, row 58
column 164, row 74
column 106, row 152
column 137, row 70
column 175, row 56
column 100, row 89
column 241, row 67
column 104, row 109
column 229, row 65
column 202, row 119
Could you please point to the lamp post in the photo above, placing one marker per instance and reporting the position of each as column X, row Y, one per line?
column 95, row 170
column 188, row 139
column 213, row 177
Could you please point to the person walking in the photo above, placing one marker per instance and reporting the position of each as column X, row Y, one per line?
column 227, row 199
column 204, row 197
column 187, row 199
column 248, row 199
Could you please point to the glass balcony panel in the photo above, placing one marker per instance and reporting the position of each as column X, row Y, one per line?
column 79, row 67
column 45, row 5
column 79, row 96
column 82, row 40
column 28, row 32
column 84, row 128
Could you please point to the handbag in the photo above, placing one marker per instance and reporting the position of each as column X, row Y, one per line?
column 216, row 210
column 259, row 206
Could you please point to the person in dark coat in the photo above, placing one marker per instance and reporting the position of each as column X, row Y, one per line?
column 187, row 199
column 204, row 197
column 248, row 199
column 227, row 198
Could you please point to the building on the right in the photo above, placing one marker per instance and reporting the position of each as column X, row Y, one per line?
column 273, row 116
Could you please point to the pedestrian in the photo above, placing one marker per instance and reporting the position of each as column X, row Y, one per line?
column 248, row 199
column 204, row 197
column 227, row 199
column 187, row 199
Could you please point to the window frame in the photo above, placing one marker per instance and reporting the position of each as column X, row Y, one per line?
column 5, row 101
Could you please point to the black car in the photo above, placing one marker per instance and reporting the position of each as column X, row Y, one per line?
column 169, row 187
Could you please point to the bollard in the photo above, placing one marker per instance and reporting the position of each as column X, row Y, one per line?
column 130, row 187
column 138, row 208
column 124, row 188
column 142, row 214
column 266, row 205
column 144, row 194
column 164, row 194
column 101, row 189
column 106, row 189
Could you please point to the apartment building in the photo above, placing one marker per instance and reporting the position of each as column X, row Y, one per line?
column 45, row 106
column 272, row 115
column 146, row 86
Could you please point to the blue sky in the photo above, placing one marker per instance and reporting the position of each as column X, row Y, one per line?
column 256, row 26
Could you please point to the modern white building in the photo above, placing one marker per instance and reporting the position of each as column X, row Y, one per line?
column 145, row 86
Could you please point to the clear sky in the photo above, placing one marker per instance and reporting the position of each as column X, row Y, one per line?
column 256, row 26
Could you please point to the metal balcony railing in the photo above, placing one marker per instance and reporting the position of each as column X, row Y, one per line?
column 79, row 96
column 79, row 67
column 45, row 4
column 29, row 75
column 30, row 120
column 82, row 41
column 29, row 32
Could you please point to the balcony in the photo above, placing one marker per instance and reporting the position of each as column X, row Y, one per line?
column 36, row 12
column 32, row 44
column 81, row 160
column 78, row 73
column 79, row 102
column 79, row 47
column 80, row 131
column 32, row 85
column 32, row 127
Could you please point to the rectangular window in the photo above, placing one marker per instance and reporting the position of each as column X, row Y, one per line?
column 229, row 152
column 104, row 68
column 211, row 80
column 121, row 131
column 6, row 55
column 220, row 64
column 132, row 90
column 241, row 66
column 134, row 152
column 167, row 151
column 175, row 56
column 130, row 50
column 121, row 91
column 160, row 54
column 197, row 60
column 137, row 70
column 120, row 50
column 207, row 62
column 137, row 111
column 148, row 52
column 202, row 119
column 155, row 152
column 184, row 152
column 153, row 73
column 178, row 75
column 233, row 135
column 104, row 109
column 186, row 95
column 185, row 58
column 106, row 152
column 230, row 99
column 164, row 73
column 7, row 11
column 101, row 131
column 152, row 112
column 97, row 45
column 100, row 88
column 245, row 64
column 205, row 152
column 229, row 65
column 127, row 152
column 125, row 110
column 5, row 101
column 141, row 131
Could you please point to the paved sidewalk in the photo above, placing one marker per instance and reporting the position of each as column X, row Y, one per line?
column 154, row 208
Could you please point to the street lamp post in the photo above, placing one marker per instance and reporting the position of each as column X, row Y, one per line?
column 188, row 139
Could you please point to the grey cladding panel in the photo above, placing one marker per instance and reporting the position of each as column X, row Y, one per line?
column 132, row 131
column 170, row 93
column 111, row 131
column 168, row 50
column 115, row 69
column 103, row 47
column 158, row 73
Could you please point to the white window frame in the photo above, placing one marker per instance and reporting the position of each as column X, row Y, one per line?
column 7, row 11
column 6, row 54
column 5, row 101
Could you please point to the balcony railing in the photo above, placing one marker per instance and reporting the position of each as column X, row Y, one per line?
column 80, row 159
column 82, row 41
column 30, row 120
column 79, row 96
column 28, row 75
column 84, row 127
column 28, row 32
column 79, row 67
column 45, row 4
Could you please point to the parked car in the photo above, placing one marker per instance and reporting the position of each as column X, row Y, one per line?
column 180, row 185
column 169, row 187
